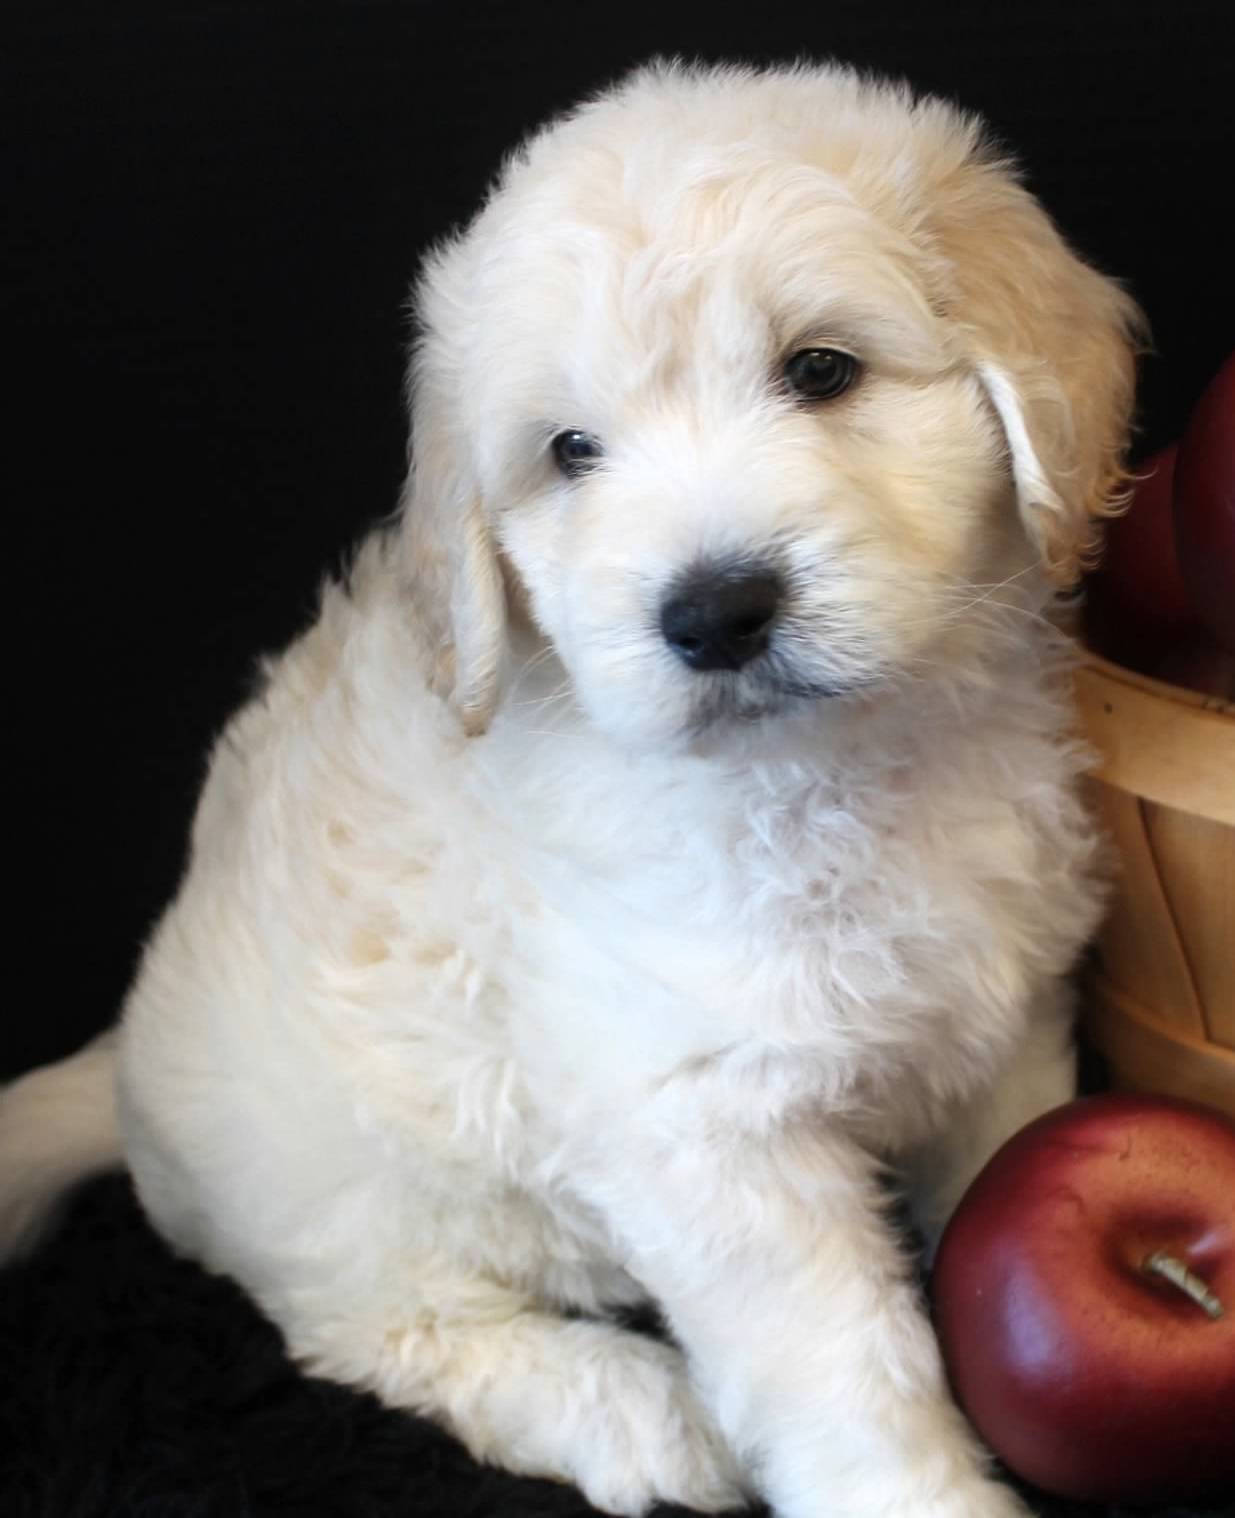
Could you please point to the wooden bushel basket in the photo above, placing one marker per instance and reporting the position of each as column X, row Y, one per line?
column 1160, row 1003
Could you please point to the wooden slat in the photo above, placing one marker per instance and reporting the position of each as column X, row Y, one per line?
column 1145, row 1057
column 1196, row 863
column 1142, row 953
column 1165, row 745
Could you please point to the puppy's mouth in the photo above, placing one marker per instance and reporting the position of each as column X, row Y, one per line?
column 768, row 688
column 799, row 689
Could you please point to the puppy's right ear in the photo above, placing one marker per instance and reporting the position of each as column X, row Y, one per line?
column 456, row 578
column 1052, row 341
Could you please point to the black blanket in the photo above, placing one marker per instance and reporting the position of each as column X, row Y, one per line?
column 138, row 1386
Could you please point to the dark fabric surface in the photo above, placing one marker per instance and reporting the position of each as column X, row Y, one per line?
column 137, row 1386
column 211, row 213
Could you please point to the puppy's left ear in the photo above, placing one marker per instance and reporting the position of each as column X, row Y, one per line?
column 458, row 591
column 1054, row 343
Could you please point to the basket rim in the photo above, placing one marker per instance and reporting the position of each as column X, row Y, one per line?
column 1180, row 694
column 1154, row 741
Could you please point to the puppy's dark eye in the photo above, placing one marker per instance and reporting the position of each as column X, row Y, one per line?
column 821, row 374
column 575, row 452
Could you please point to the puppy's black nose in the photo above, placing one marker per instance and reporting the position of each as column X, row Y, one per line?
column 715, row 620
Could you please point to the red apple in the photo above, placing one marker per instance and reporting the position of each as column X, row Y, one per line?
column 1084, row 1296
column 1136, row 602
column 1204, row 505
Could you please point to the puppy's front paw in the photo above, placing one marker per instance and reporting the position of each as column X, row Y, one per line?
column 870, row 1494
column 648, row 1439
column 977, row 1499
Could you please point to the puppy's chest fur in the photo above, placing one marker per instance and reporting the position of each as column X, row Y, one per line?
column 864, row 938
column 519, row 937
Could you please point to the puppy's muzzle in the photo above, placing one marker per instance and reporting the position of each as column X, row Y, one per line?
column 721, row 619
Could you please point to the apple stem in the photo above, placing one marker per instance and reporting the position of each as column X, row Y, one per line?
column 1177, row 1273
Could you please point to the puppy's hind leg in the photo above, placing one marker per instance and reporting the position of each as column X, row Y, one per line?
column 522, row 1387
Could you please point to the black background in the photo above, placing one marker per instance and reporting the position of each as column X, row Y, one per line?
column 211, row 216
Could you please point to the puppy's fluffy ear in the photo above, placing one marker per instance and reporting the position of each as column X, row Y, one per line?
column 456, row 578
column 1054, row 343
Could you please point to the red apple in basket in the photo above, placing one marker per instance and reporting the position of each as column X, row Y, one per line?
column 1136, row 602
column 1204, row 506
column 1084, row 1297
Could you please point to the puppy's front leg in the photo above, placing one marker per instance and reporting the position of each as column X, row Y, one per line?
column 1040, row 1074
column 772, row 1259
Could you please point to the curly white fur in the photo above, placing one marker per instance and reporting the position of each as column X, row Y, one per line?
column 521, row 971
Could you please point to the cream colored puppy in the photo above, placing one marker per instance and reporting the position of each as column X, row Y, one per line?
column 672, row 823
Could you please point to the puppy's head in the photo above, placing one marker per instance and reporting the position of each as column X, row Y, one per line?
column 754, row 389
